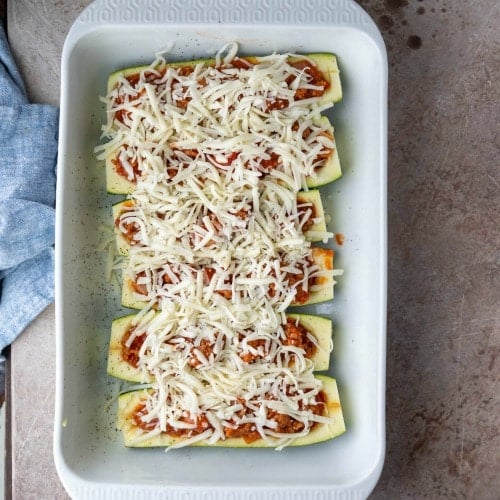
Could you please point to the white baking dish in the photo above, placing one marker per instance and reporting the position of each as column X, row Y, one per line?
column 90, row 457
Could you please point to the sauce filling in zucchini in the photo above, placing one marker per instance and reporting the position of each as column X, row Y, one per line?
column 295, row 334
column 139, row 100
column 303, row 279
column 316, row 417
column 237, row 426
column 134, row 226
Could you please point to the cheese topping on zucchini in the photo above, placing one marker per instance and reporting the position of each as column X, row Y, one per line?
column 262, row 114
column 217, row 240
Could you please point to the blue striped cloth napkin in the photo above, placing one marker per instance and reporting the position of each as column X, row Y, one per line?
column 28, row 151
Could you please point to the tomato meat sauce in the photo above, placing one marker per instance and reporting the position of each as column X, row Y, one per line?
column 307, row 213
column 196, row 425
column 165, row 278
column 295, row 280
column 314, row 77
column 259, row 346
column 283, row 424
column 128, row 229
column 121, row 170
column 130, row 353
column 138, row 417
column 298, row 335
column 205, row 348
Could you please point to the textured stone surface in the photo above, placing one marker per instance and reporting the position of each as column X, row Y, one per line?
column 444, row 261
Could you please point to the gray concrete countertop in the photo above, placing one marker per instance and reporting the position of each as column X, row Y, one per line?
column 443, row 405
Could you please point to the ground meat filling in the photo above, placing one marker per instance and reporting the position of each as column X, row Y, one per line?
column 121, row 171
column 196, row 426
column 138, row 416
column 294, row 280
column 130, row 354
column 314, row 77
column 258, row 350
column 129, row 230
column 298, row 335
column 307, row 214
column 205, row 349
column 208, row 274
column 247, row 431
column 270, row 164
column 164, row 279
column 139, row 288
column 285, row 424
column 199, row 424
column 121, row 114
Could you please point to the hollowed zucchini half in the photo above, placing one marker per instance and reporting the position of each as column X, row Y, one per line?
column 322, row 291
column 119, row 367
column 129, row 401
column 329, row 172
column 316, row 232
column 325, row 62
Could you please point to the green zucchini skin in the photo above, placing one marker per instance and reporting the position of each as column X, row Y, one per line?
column 117, row 366
column 314, row 197
column 122, row 244
column 323, row 292
column 326, row 63
column 116, row 183
column 331, row 170
column 319, row 326
column 127, row 402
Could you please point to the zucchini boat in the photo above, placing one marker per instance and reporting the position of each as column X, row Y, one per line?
column 320, row 290
column 325, row 62
column 324, row 65
column 314, row 227
column 123, row 359
column 330, row 171
column 134, row 436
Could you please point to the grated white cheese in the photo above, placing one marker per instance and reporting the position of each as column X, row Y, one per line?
column 218, row 154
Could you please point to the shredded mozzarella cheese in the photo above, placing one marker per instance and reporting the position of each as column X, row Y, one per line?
column 218, row 153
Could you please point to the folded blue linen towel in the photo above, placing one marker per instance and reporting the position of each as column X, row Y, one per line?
column 28, row 150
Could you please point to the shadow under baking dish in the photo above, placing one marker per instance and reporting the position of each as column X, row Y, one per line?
column 88, row 449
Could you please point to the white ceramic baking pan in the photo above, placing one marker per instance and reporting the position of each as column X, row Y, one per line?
column 90, row 457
